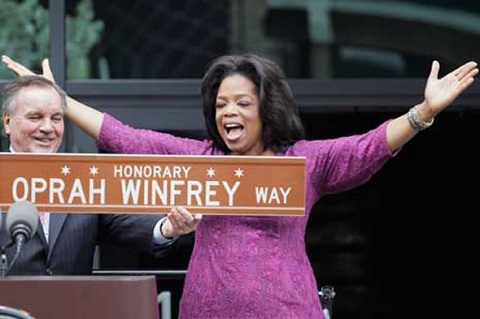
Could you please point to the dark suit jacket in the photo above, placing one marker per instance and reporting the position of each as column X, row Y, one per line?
column 73, row 238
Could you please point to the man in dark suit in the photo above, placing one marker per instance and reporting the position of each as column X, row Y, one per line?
column 64, row 244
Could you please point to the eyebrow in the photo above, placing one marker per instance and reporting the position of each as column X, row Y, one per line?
column 236, row 96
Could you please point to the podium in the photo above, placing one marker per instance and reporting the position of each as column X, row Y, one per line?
column 106, row 297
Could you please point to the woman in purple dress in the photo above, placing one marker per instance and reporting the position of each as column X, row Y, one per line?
column 257, row 266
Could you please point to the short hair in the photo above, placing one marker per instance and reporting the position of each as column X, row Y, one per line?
column 11, row 90
column 278, row 109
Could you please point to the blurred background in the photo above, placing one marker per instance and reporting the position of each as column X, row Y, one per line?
column 400, row 246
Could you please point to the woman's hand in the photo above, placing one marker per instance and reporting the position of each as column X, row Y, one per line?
column 440, row 93
column 180, row 222
column 21, row 70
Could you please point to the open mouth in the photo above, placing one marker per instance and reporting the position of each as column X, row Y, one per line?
column 234, row 130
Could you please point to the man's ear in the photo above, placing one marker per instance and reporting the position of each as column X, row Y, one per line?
column 6, row 123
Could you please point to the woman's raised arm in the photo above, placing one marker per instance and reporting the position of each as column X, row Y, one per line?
column 439, row 93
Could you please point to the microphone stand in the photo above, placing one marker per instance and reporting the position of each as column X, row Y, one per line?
column 3, row 262
column 327, row 295
column 4, row 267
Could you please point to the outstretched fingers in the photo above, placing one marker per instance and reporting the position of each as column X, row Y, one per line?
column 47, row 71
column 15, row 67
column 434, row 70
column 20, row 70
column 441, row 92
column 465, row 75
column 465, row 71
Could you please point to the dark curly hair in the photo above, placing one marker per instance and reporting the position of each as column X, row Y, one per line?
column 278, row 109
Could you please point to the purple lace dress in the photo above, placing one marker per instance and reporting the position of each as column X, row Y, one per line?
column 255, row 266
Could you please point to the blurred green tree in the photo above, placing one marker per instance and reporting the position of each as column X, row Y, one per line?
column 24, row 35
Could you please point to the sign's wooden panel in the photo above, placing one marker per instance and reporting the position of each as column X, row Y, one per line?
column 111, row 183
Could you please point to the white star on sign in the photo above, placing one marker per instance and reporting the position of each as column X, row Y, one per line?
column 65, row 170
column 94, row 170
column 210, row 172
column 239, row 172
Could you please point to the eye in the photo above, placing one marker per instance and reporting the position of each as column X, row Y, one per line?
column 219, row 105
column 244, row 103
column 34, row 118
column 57, row 119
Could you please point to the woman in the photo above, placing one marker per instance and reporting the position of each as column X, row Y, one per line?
column 257, row 267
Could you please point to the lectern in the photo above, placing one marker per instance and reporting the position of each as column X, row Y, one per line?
column 106, row 297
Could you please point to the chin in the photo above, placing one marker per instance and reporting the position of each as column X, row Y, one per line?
column 234, row 150
column 44, row 150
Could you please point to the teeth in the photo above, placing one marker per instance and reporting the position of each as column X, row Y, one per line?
column 231, row 126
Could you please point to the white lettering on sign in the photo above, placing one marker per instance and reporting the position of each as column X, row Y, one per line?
column 151, row 171
column 166, row 192
column 269, row 195
column 144, row 191
column 116, row 183
column 23, row 189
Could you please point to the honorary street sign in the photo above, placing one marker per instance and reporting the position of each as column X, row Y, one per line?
column 111, row 183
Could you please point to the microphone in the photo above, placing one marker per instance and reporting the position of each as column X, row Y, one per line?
column 21, row 223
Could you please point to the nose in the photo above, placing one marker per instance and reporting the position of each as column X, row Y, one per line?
column 230, row 109
column 47, row 125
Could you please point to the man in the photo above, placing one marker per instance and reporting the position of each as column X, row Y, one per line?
column 33, row 121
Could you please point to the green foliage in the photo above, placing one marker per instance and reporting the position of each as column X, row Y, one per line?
column 24, row 35
column 24, row 32
column 83, row 32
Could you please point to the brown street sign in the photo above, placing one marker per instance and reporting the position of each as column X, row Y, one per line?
column 112, row 183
